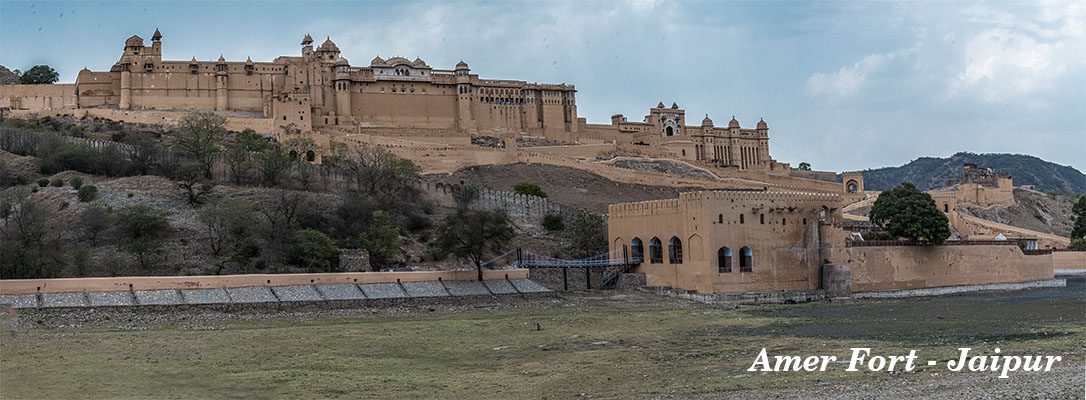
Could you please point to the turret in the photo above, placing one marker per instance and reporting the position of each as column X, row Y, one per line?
column 707, row 122
column 462, row 68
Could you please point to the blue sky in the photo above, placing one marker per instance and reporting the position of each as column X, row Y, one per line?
column 843, row 85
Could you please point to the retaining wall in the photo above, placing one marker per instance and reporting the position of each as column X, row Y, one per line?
column 891, row 268
column 66, row 285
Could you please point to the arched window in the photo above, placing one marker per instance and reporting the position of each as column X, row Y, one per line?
column 746, row 260
column 656, row 251
column 669, row 131
column 761, row 218
column 310, row 156
column 946, row 207
column 784, row 221
column 741, row 218
column 720, row 219
column 637, row 250
column 724, row 260
column 675, row 251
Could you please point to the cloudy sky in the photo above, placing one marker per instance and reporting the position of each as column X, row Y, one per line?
column 843, row 85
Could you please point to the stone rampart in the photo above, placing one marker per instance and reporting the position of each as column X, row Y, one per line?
column 890, row 268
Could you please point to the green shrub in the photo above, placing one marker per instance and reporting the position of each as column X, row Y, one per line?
column 43, row 182
column 58, row 182
column 87, row 193
column 529, row 189
column 554, row 222
column 1078, row 244
column 76, row 182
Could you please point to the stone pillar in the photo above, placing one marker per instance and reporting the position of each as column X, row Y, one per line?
column 222, row 102
column 126, row 90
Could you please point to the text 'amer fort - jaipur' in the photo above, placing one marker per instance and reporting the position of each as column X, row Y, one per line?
column 758, row 225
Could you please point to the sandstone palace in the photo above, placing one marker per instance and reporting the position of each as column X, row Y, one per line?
column 320, row 91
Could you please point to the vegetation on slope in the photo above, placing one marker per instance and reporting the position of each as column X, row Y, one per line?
column 930, row 172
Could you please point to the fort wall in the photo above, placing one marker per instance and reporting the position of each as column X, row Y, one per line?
column 889, row 268
column 65, row 285
column 1069, row 259
column 38, row 97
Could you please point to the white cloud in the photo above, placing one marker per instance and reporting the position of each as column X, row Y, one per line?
column 847, row 81
column 1022, row 53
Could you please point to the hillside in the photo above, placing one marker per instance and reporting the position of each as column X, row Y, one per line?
column 7, row 77
column 931, row 172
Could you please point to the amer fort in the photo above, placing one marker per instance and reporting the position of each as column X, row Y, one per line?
column 754, row 226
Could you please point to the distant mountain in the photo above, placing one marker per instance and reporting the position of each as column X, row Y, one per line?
column 931, row 172
column 7, row 77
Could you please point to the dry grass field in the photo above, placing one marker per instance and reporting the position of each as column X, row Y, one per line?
column 597, row 345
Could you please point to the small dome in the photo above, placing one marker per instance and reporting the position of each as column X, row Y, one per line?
column 221, row 59
column 762, row 125
column 660, row 105
column 461, row 65
column 157, row 35
column 674, row 106
column 307, row 40
column 342, row 61
column 734, row 123
column 418, row 62
column 328, row 45
column 707, row 121
column 397, row 60
column 193, row 60
column 377, row 61
column 135, row 41
column 248, row 60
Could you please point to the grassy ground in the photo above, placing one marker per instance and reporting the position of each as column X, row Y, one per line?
column 617, row 346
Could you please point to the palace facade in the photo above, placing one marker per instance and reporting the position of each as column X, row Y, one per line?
column 320, row 92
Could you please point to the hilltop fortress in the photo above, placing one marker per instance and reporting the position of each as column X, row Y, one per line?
column 319, row 93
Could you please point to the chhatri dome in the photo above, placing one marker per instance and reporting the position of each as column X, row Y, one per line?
column 707, row 121
column 734, row 123
column 328, row 45
column 461, row 65
column 135, row 40
column 762, row 124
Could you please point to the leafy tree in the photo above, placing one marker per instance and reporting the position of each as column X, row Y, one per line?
column 589, row 236
column 381, row 174
column 197, row 139
column 29, row 244
column 274, row 165
column 1077, row 244
column 239, row 152
column 57, row 182
column 193, row 183
column 76, row 182
column 229, row 228
column 473, row 236
column 1078, row 231
column 381, row 240
column 39, row 74
column 314, row 250
column 907, row 212
column 94, row 222
column 804, row 166
column 43, row 182
column 554, row 222
column 143, row 226
column 529, row 189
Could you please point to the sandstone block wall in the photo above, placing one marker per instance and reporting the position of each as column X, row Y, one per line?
column 887, row 268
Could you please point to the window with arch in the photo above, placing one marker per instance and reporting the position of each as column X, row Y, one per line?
column 656, row 251
column 675, row 250
column 784, row 221
column 724, row 260
column 761, row 219
column 310, row 156
column 720, row 218
column 746, row 260
column 805, row 221
column 741, row 218
column 637, row 250
column 946, row 207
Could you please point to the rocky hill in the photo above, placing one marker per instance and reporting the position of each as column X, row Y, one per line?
column 7, row 77
column 931, row 172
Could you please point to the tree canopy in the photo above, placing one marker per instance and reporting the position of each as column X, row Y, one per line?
column 474, row 235
column 39, row 74
column 905, row 211
column 1078, row 231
